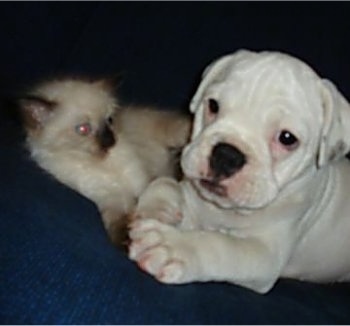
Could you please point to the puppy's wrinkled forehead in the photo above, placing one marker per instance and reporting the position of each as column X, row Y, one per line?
column 265, row 80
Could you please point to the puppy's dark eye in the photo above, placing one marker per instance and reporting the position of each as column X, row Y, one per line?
column 83, row 129
column 213, row 106
column 288, row 140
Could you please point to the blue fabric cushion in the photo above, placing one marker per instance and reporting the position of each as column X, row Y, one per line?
column 58, row 267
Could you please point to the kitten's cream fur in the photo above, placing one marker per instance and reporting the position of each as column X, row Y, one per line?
column 115, row 162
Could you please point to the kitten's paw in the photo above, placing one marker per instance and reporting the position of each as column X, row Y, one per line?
column 161, row 251
column 115, row 224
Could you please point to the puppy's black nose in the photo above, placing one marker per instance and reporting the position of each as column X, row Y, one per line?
column 225, row 160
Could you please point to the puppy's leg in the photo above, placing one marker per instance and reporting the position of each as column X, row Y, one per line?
column 161, row 201
column 177, row 256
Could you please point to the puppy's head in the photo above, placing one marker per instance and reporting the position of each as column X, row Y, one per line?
column 262, row 121
column 70, row 115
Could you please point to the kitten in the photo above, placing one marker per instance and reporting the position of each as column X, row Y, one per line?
column 77, row 131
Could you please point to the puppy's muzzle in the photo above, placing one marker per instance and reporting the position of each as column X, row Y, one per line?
column 225, row 160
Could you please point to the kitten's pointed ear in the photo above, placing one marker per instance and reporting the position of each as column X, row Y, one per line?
column 35, row 110
column 110, row 83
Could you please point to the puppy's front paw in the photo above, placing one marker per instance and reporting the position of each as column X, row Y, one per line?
column 161, row 201
column 160, row 251
column 160, row 210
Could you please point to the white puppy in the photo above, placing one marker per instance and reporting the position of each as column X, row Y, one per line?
column 266, row 193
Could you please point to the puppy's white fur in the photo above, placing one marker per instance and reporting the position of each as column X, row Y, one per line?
column 112, row 177
column 285, row 213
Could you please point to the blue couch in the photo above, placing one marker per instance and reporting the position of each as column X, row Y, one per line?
column 56, row 263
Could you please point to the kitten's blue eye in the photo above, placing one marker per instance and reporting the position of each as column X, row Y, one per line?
column 83, row 129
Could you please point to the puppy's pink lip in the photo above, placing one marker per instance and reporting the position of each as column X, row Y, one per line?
column 213, row 187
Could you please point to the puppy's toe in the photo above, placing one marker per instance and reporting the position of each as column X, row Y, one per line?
column 170, row 216
column 139, row 227
column 160, row 210
column 153, row 260
column 172, row 272
column 141, row 241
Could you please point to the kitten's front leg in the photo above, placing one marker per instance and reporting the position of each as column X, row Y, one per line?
column 181, row 256
column 115, row 222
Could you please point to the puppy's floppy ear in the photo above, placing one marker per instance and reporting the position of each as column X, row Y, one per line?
column 210, row 72
column 213, row 71
column 335, row 135
column 35, row 110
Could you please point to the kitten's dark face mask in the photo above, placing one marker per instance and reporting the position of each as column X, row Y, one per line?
column 105, row 137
